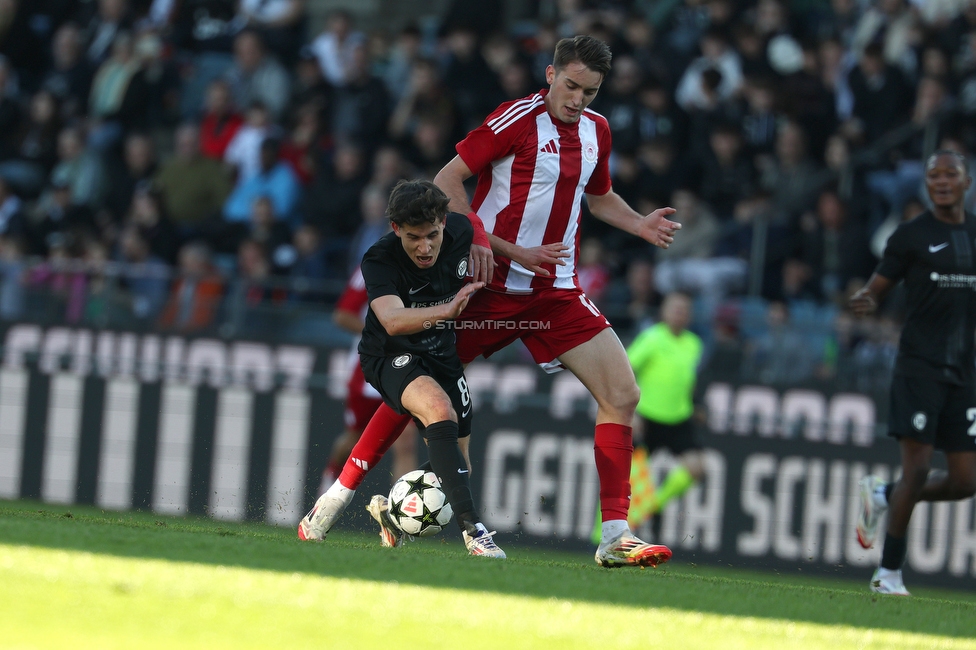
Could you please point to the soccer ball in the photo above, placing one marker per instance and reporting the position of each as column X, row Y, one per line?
column 418, row 505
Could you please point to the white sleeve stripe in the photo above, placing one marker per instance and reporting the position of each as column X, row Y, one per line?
column 516, row 117
column 513, row 108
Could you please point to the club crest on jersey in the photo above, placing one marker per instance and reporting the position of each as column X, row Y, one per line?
column 919, row 420
column 462, row 268
column 400, row 361
column 589, row 152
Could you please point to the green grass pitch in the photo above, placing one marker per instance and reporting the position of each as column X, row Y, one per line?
column 83, row 578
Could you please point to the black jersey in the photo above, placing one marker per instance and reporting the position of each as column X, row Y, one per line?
column 388, row 270
column 937, row 261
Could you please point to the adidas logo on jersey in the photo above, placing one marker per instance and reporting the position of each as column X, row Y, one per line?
column 550, row 147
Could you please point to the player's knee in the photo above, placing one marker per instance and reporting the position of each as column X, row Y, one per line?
column 624, row 398
column 915, row 478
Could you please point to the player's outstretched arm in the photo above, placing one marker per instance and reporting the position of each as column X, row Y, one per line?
column 399, row 320
column 532, row 258
column 451, row 179
column 655, row 228
column 865, row 300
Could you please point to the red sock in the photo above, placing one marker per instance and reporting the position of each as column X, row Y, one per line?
column 379, row 435
column 613, row 447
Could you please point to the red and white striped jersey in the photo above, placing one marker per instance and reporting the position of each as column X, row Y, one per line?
column 532, row 173
column 354, row 298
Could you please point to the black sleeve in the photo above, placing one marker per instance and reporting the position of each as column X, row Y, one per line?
column 380, row 275
column 897, row 256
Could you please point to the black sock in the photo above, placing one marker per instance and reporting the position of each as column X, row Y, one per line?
column 893, row 555
column 887, row 491
column 448, row 463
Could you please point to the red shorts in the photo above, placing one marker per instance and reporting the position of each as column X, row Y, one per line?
column 362, row 400
column 550, row 322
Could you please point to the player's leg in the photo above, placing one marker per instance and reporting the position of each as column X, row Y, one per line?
column 602, row 366
column 955, row 483
column 916, row 461
column 380, row 434
column 440, row 413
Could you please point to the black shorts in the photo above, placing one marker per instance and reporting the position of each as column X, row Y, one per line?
column 678, row 438
column 933, row 412
column 391, row 375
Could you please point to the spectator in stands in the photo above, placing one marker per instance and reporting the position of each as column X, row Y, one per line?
column 311, row 261
column 473, row 84
column 81, row 168
column 891, row 24
column 10, row 112
column 192, row 186
column 389, row 167
column 195, row 296
column 425, row 96
column 271, row 232
column 70, row 74
column 618, row 102
column 780, row 355
column 220, row 121
column 57, row 214
column 336, row 47
column 205, row 30
column 279, row 23
column 145, row 275
column 725, row 173
column 375, row 223
column 257, row 77
column 834, row 245
column 32, row 149
column 274, row 179
column 661, row 171
column 792, row 177
column 362, row 108
column 716, row 55
column 305, row 143
column 119, row 96
column 109, row 19
column 882, row 95
column 404, row 52
column 309, row 88
column 430, row 146
column 148, row 213
column 243, row 152
column 138, row 166
column 332, row 202
column 760, row 117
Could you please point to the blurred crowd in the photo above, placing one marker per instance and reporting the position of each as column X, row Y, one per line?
column 158, row 157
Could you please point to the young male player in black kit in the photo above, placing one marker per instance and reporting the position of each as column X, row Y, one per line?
column 415, row 278
column 933, row 390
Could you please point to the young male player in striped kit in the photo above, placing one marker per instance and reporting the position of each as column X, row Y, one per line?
column 535, row 159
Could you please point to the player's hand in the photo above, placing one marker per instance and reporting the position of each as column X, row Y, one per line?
column 657, row 229
column 862, row 303
column 461, row 299
column 534, row 258
column 481, row 263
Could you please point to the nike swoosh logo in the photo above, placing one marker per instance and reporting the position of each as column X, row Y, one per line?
column 935, row 249
column 462, row 471
column 413, row 291
column 465, row 414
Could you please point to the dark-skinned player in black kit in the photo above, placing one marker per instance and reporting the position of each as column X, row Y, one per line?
column 933, row 389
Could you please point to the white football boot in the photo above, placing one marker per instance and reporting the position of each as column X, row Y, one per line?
column 886, row 581
column 871, row 511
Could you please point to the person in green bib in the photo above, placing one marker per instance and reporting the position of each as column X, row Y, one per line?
column 665, row 360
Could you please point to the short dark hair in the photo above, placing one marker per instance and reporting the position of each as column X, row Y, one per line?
column 414, row 203
column 950, row 152
column 591, row 52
